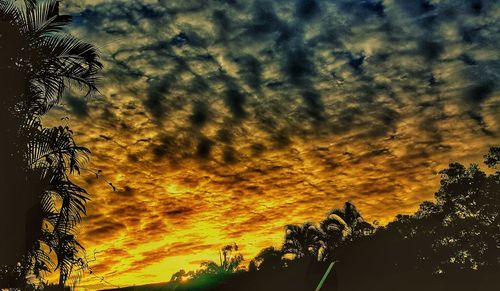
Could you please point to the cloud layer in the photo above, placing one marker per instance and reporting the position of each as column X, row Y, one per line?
column 221, row 121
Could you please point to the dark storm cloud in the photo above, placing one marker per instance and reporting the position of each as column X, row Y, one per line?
column 181, row 144
column 364, row 8
column 298, row 65
column 314, row 105
column 480, row 92
column 417, row 7
column 229, row 155
column 235, row 101
column 157, row 92
column 250, row 71
column 104, row 230
column 225, row 135
column 133, row 12
column 77, row 105
column 165, row 146
column 307, row 8
column 181, row 211
column 264, row 19
column 126, row 191
column 223, row 23
column 356, row 62
column 220, row 65
column 204, row 147
column 200, row 114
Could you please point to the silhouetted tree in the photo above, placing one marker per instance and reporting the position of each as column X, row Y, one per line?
column 468, row 204
column 452, row 243
column 492, row 158
column 450, row 239
column 229, row 262
column 267, row 259
column 181, row 275
column 302, row 241
column 342, row 226
column 460, row 231
column 39, row 204
column 210, row 273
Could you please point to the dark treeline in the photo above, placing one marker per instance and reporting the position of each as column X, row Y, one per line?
column 452, row 243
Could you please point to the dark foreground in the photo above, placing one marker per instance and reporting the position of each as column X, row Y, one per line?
column 306, row 277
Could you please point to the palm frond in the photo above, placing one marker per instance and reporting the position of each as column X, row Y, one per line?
column 50, row 60
column 44, row 18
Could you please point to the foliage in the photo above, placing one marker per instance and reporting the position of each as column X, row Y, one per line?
column 210, row 271
column 42, row 55
column 492, row 158
column 268, row 259
column 229, row 262
column 450, row 243
column 38, row 61
column 302, row 240
column 342, row 226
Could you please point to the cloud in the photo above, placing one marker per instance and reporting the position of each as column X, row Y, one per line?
column 104, row 230
column 182, row 211
column 200, row 114
column 223, row 121
column 307, row 8
column 250, row 71
column 78, row 106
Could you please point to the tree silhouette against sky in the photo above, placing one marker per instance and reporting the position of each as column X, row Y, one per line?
column 40, row 205
column 451, row 243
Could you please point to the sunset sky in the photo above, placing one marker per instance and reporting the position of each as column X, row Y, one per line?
column 221, row 121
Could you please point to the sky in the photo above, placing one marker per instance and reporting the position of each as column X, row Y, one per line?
column 222, row 121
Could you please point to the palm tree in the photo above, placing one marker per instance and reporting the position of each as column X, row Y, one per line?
column 228, row 262
column 53, row 154
column 302, row 241
column 341, row 226
column 40, row 205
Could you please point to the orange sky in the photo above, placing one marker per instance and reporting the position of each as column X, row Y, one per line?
column 221, row 123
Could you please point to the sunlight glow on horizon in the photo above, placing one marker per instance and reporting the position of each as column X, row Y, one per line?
column 221, row 123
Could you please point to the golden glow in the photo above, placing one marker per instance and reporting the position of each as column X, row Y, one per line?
column 385, row 135
column 165, row 217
